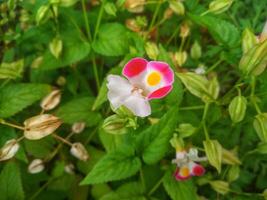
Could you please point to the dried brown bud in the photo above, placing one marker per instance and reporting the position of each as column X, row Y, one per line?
column 9, row 149
column 184, row 30
column 36, row 166
column 168, row 13
column 51, row 100
column 132, row 25
column 78, row 127
column 79, row 151
column 134, row 6
column 40, row 126
column 69, row 168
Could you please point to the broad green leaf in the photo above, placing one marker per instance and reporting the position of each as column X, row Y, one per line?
column 79, row 110
column 16, row 97
column 116, row 165
column 112, row 40
column 179, row 190
column 10, row 183
column 154, row 141
column 11, row 70
column 110, row 141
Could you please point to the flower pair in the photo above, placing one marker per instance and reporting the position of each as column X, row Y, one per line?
column 145, row 81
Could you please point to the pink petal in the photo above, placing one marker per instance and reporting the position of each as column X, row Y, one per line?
column 164, row 70
column 198, row 170
column 179, row 177
column 134, row 67
column 160, row 93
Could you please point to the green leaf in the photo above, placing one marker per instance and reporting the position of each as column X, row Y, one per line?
column 10, row 183
column 222, row 31
column 116, row 165
column 110, row 141
column 16, row 97
column 11, row 70
column 112, row 40
column 79, row 110
column 154, row 141
column 179, row 190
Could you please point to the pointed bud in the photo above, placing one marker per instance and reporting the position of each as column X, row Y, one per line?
column 134, row 6
column 248, row 40
column 184, row 30
column 186, row 130
column 180, row 57
column 55, row 47
column 177, row 7
column 115, row 124
column 9, row 149
column 221, row 187
column 110, row 8
column 152, row 50
column 36, row 166
column 51, row 100
column 37, row 62
column 219, row 6
column 42, row 14
column 233, row 173
column 195, row 51
column 78, row 127
column 79, row 151
column 260, row 125
column 229, row 157
column 237, row 108
column 213, row 89
column 213, row 151
column 40, row 126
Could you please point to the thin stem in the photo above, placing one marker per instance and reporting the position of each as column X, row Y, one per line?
column 62, row 139
column 87, row 26
column 173, row 35
column 206, row 108
column 192, row 108
column 213, row 66
column 99, row 19
column 252, row 94
column 96, row 74
column 142, row 178
column 182, row 44
column 11, row 125
column 154, row 16
column 36, row 194
column 156, row 186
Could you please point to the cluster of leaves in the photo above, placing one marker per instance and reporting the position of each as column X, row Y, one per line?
column 72, row 45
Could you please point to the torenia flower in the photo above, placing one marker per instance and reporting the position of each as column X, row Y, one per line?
column 145, row 81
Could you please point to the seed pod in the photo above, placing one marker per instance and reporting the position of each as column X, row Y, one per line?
column 195, row 51
column 186, row 130
column 69, row 168
column 55, row 47
column 262, row 148
column 115, row 124
column 37, row 62
column 40, row 126
column 36, row 166
column 168, row 13
column 51, row 100
column 79, row 151
column 237, row 108
column 233, row 173
column 213, row 151
column 229, row 157
column 67, row 3
column 260, row 125
column 221, row 187
column 177, row 143
column 184, row 30
column 180, row 57
column 9, row 149
column 177, row 7
column 213, row 89
column 134, row 6
column 42, row 14
column 78, row 127
column 61, row 80
column 219, row 6
column 248, row 40
column 133, row 25
column 255, row 60
column 110, row 8
column 152, row 50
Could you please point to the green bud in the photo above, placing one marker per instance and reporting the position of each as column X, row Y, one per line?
column 110, row 8
column 55, row 47
column 42, row 14
column 221, row 187
column 180, row 57
column 37, row 62
column 213, row 89
column 233, row 173
column 255, row 60
column 260, row 125
column 64, row 3
column 195, row 51
column 177, row 143
column 152, row 50
column 248, row 40
column 219, row 6
column 122, row 111
column 237, row 108
column 262, row 148
column 11, row 70
column 115, row 125
column 229, row 157
column 213, row 151
column 186, row 130
column 177, row 7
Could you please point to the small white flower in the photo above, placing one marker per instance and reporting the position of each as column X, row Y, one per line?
column 36, row 166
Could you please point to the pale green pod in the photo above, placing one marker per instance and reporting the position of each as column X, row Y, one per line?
column 219, row 6
column 248, row 40
column 237, row 108
column 233, row 173
column 177, row 7
column 56, row 46
column 152, row 50
column 219, row 186
column 42, row 14
column 195, row 51
column 260, row 125
column 213, row 151
column 115, row 124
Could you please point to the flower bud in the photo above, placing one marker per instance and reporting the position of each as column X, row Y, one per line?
column 79, row 151
column 69, row 168
column 237, row 108
column 213, row 151
column 229, row 157
column 37, row 62
column 213, row 89
column 78, row 127
column 152, row 50
column 36, row 166
column 61, row 81
column 55, row 47
column 201, row 69
column 115, row 124
column 110, row 8
column 233, row 173
column 221, row 187
column 132, row 25
column 180, row 57
column 186, row 130
column 42, row 14
column 51, row 100
column 40, row 126
column 184, row 30
column 9, row 149
column 255, row 60
column 248, row 40
column 177, row 143
column 168, row 13
column 134, row 6
column 195, row 51
column 219, row 6
column 260, row 125
column 177, row 7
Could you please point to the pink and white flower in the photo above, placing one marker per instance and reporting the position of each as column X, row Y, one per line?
column 144, row 81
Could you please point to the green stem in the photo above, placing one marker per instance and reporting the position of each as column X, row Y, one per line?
column 11, row 125
column 154, row 16
column 182, row 44
column 87, row 26
column 36, row 194
column 173, row 35
column 99, row 18
column 214, row 66
column 142, row 178
column 206, row 108
column 156, row 186
column 192, row 108
column 252, row 94
column 96, row 74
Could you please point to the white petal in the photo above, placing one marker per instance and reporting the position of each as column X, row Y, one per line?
column 138, row 105
column 118, row 90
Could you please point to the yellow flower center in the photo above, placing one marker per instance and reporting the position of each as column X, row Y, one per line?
column 184, row 171
column 154, row 78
